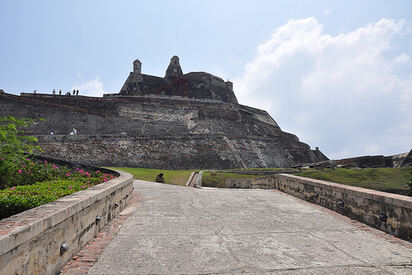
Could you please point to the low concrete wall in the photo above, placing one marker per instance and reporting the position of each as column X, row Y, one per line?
column 389, row 212
column 195, row 179
column 30, row 242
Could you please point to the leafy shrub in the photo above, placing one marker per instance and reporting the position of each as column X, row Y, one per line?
column 20, row 198
column 25, row 183
column 14, row 144
column 29, row 172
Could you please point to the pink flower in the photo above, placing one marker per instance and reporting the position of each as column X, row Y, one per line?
column 70, row 187
column 14, row 187
column 45, row 161
column 19, row 171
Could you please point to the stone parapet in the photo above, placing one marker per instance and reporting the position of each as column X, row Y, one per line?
column 388, row 212
column 41, row 240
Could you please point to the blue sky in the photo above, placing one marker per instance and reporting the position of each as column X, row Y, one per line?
column 338, row 74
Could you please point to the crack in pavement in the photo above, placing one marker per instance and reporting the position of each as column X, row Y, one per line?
column 336, row 247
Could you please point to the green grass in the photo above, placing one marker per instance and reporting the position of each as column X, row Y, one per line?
column 178, row 177
column 383, row 179
column 219, row 179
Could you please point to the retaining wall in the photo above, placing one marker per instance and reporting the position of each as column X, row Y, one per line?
column 389, row 212
column 31, row 242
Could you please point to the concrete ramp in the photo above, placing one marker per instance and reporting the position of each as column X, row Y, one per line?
column 180, row 230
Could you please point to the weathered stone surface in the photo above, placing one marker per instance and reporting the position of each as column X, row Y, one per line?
column 363, row 161
column 408, row 160
column 194, row 85
column 193, row 121
column 398, row 159
column 323, row 164
column 174, row 70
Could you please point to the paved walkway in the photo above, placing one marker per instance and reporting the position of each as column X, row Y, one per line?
column 229, row 231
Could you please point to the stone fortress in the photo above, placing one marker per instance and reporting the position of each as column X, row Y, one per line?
column 180, row 121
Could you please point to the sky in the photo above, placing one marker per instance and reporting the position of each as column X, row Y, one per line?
column 338, row 74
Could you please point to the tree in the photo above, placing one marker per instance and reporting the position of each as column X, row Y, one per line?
column 14, row 145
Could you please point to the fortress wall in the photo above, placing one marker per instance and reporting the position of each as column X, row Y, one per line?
column 388, row 212
column 30, row 242
column 170, row 152
column 157, row 132
column 138, row 116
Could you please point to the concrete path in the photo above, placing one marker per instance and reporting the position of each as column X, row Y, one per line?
column 230, row 231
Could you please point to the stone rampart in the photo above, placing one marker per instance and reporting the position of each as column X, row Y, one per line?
column 157, row 132
column 35, row 241
column 388, row 212
column 170, row 151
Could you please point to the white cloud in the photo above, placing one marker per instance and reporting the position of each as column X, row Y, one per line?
column 342, row 93
column 90, row 88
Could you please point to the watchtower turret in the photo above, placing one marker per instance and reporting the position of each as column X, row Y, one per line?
column 173, row 70
column 137, row 66
column 229, row 85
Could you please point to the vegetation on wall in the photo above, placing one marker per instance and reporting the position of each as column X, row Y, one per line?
column 36, row 183
column 26, row 183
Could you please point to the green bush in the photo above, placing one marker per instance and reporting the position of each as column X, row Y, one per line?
column 14, row 144
column 28, row 172
column 25, row 183
column 20, row 198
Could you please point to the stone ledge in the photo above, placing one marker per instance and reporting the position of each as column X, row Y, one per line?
column 72, row 217
column 395, row 199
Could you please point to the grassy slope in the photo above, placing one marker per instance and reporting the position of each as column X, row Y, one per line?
column 178, row 177
column 383, row 179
